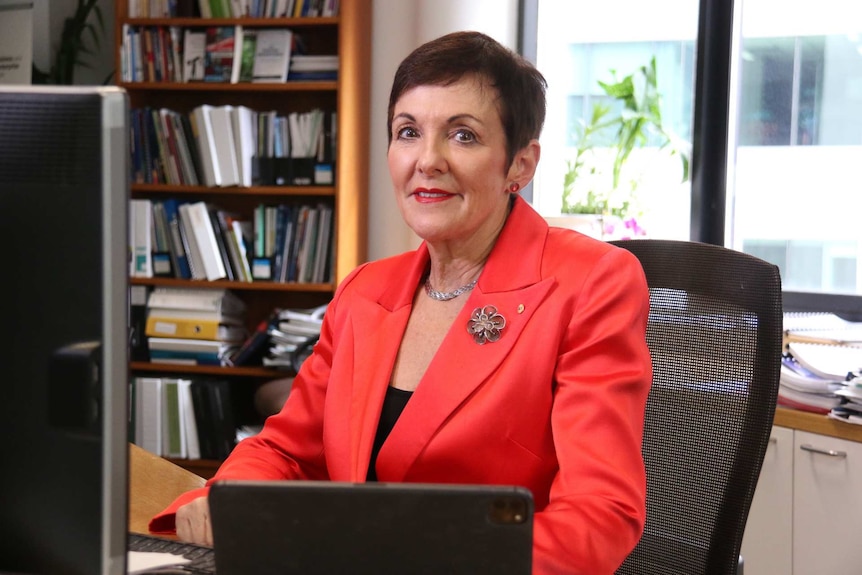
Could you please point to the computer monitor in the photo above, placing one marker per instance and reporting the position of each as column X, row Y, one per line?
column 64, row 187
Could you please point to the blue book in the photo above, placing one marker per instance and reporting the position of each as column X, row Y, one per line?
column 185, row 357
column 171, row 211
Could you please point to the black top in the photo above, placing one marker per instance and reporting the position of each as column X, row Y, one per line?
column 393, row 405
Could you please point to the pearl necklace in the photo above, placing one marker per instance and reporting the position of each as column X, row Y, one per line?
column 447, row 295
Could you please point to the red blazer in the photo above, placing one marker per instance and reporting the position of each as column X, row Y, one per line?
column 556, row 405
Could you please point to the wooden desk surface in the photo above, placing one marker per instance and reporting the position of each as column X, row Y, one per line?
column 154, row 483
column 816, row 423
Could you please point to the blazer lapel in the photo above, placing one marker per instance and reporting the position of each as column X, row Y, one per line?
column 376, row 327
column 514, row 287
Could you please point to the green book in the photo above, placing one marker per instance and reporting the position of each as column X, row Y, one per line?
column 172, row 435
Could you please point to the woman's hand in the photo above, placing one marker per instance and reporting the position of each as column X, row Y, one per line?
column 193, row 522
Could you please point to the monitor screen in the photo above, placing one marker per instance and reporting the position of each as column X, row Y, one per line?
column 64, row 189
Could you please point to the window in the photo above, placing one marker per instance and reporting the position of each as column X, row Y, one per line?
column 795, row 137
column 582, row 43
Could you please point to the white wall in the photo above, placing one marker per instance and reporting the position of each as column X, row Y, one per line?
column 48, row 20
column 399, row 26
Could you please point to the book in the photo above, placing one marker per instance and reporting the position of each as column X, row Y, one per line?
column 240, row 236
column 181, row 357
column 194, row 53
column 223, row 418
column 140, row 238
column 187, row 416
column 218, row 58
column 324, row 246
column 242, row 124
column 223, row 143
column 190, row 243
column 157, row 326
column 148, row 419
column 204, row 235
column 236, row 61
column 193, row 345
column 246, row 56
column 180, row 258
column 173, row 432
column 170, row 314
column 164, row 262
column 273, row 48
column 232, row 244
column 182, row 137
column 202, row 132
column 204, row 299
column 138, row 323
column 189, row 351
column 203, row 418
column 218, row 231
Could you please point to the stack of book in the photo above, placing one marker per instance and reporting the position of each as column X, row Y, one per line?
column 194, row 326
column 182, row 418
column 821, row 367
column 313, row 67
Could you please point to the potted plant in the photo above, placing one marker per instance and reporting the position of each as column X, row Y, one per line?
column 73, row 47
column 596, row 182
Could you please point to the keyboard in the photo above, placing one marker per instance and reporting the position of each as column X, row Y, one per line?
column 202, row 558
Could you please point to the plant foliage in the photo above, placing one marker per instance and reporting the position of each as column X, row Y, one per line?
column 638, row 120
column 79, row 39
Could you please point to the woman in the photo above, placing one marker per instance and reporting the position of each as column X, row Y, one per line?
column 501, row 351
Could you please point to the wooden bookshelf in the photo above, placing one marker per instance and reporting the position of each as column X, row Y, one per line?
column 347, row 35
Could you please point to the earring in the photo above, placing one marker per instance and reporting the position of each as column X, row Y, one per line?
column 514, row 187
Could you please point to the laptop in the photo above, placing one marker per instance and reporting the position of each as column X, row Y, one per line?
column 324, row 527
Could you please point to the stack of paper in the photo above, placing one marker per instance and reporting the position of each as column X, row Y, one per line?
column 804, row 389
column 293, row 336
column 822, row 365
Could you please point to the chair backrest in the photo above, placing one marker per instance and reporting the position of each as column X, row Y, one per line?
column 714, row 333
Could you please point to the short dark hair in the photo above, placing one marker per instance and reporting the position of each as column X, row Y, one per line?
column 450, row 58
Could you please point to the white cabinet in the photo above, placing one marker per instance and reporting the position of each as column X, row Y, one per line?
column 806, row 517
column 827, row 505
column 767, row 547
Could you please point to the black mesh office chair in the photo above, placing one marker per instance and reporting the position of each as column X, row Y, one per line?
column 714, row 332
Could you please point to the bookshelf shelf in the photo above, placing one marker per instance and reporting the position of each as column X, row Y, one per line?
column 234, row 285
column 282, row 191
column 251, row 22
column 245, row 372
column 347, row 36
column 292, row 86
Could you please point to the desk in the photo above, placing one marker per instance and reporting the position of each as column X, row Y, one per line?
column 817, row 423
column 154, row 483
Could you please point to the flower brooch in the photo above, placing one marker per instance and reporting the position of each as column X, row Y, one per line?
column 485, row 324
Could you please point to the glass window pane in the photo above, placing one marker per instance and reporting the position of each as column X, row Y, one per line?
column 581, row 44
column 794, row 197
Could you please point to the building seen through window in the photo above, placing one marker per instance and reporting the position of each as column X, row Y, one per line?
column 793, row 194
